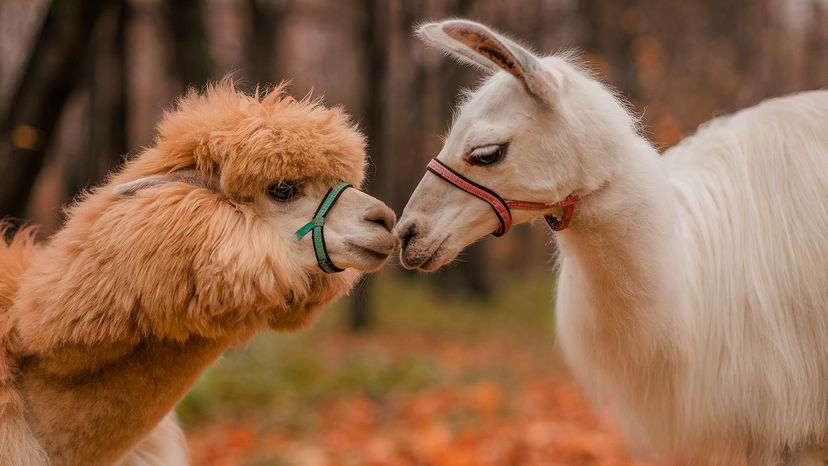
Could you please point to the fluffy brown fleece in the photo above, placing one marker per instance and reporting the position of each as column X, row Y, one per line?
column 107, row 325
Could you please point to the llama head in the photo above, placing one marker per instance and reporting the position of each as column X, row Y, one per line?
column 538, row 129
column 232, row 178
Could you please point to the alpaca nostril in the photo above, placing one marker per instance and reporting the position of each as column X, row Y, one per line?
column 381, row 215
column 408, row 234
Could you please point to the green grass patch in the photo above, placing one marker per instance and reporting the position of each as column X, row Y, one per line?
column 286, row 375
column 415, row 304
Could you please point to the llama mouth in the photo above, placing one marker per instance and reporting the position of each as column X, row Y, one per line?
column 434, row 262
column 427, row 260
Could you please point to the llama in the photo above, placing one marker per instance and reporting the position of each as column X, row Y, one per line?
column 189, row 249
column 692, row 296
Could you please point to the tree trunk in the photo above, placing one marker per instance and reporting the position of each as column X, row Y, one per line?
column 607, row 35
column 107, row 110
column 262, row 48
column 375, row 43
column 50, row 76
column 470, row 273
column 191, row 61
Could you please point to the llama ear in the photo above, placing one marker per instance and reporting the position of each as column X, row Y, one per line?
column 474, row 43
column 190, row 176
column 433, row 35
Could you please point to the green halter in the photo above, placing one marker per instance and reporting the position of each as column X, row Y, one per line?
column 317, row 223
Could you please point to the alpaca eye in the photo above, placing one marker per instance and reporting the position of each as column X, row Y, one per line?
column 283, row 192
column 486, row 155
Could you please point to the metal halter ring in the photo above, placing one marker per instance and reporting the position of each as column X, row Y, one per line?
column 316, row 226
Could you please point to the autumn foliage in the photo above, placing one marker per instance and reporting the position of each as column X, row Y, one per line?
column 487, row 389
column 535, row 418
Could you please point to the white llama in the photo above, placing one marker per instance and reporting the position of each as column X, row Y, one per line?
column 693, row 287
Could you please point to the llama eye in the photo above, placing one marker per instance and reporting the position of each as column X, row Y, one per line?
column 283, row 192
column 486, row 155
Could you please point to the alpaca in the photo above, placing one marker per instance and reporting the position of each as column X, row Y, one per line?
column 187, row 250
column 692, row 296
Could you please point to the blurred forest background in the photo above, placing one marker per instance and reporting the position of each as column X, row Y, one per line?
column 447, row 364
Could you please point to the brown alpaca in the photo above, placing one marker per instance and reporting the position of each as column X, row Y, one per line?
column 188, row 250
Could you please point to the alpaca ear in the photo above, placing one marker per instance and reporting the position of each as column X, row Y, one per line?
column 476, row 44
column 193, row 177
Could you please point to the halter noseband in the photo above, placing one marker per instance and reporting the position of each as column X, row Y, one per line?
column 503, row 208
column 316, row 225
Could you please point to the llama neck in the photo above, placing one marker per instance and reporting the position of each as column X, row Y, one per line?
column 97, row 416
column 619, row 284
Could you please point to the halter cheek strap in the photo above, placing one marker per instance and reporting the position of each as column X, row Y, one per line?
column 501, row 207
column 316, row 225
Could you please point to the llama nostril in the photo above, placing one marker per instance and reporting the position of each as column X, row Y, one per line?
column 408, row 234
column 381, row 215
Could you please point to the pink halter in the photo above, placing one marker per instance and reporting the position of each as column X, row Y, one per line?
column 502, row 208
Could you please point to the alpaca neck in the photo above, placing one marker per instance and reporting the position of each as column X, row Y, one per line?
column 619, row 283
column 96, row 416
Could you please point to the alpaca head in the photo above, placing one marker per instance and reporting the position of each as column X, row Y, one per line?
column 277, row 157
column 538, row 129
column 214, row 205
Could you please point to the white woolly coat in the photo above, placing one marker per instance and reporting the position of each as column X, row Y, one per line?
column 705, row 327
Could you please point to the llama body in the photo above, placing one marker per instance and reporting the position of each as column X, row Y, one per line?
column 709, row 336
column 693, row 287
column 185, row 252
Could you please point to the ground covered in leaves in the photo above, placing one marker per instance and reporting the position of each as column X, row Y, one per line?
column 441, row 380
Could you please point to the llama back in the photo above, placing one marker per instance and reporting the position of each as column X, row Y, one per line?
column 752, row 190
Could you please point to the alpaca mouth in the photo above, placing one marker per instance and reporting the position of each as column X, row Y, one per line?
column 372, row 257
column 370, row 253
